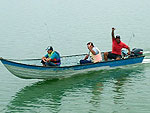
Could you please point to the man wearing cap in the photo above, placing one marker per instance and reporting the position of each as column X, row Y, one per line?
column 94, row 55
column 117, row 46
column 52, row 58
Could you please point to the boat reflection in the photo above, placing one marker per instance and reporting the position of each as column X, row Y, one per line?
column 48, row 95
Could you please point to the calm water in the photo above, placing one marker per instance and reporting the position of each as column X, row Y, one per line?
column 27, row 27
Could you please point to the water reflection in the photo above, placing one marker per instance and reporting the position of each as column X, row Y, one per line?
column 121, row 83
column 48, row 95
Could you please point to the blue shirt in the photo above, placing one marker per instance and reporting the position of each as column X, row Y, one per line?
column 53, row 56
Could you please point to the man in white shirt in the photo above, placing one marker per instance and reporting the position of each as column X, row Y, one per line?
column 94, row 55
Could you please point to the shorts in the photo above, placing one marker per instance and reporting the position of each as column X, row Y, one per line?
column 113, row 56
column 85, row 61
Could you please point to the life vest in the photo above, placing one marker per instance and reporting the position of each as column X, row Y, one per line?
column 49, row 55
column 55, row 61
column 96, row 58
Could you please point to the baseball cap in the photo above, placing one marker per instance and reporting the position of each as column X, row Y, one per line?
column 49, row 48
column 118, row 36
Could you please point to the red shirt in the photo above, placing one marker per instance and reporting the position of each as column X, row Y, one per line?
column 116, row 48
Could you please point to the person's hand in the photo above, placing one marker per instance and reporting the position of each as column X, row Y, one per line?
column 89, row 47
column 47, row 60
column 129, row 53
column 113, row 29
column 86, row 57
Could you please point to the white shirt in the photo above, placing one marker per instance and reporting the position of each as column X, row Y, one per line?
column 95, row 50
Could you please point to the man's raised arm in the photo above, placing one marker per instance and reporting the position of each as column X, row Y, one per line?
column 112, row 33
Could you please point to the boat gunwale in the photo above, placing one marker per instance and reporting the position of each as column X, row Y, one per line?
column 41, row 59
column 8, row 60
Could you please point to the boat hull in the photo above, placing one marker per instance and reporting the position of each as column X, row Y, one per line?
column 40, row 72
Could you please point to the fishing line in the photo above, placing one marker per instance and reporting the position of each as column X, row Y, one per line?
column 49, row 37
column 133, row 35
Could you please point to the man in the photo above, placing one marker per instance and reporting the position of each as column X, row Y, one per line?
column 117, row 46
column 93, row 56
column 52, row 58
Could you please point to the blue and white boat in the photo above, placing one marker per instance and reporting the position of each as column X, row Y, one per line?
column 32, row 68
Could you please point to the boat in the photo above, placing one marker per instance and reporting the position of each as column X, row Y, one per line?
column 33, row 69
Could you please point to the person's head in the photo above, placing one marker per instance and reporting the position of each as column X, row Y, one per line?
column 90, row 44
column 118, row 38
column 49, row 49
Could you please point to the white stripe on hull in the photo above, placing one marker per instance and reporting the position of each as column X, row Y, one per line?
column 46, row 74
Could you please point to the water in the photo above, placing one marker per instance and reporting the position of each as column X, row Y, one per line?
column 71, row 24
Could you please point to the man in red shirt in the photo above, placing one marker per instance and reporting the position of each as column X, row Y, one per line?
column 117, row 46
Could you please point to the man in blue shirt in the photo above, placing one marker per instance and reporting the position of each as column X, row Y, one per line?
column 52, row 58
